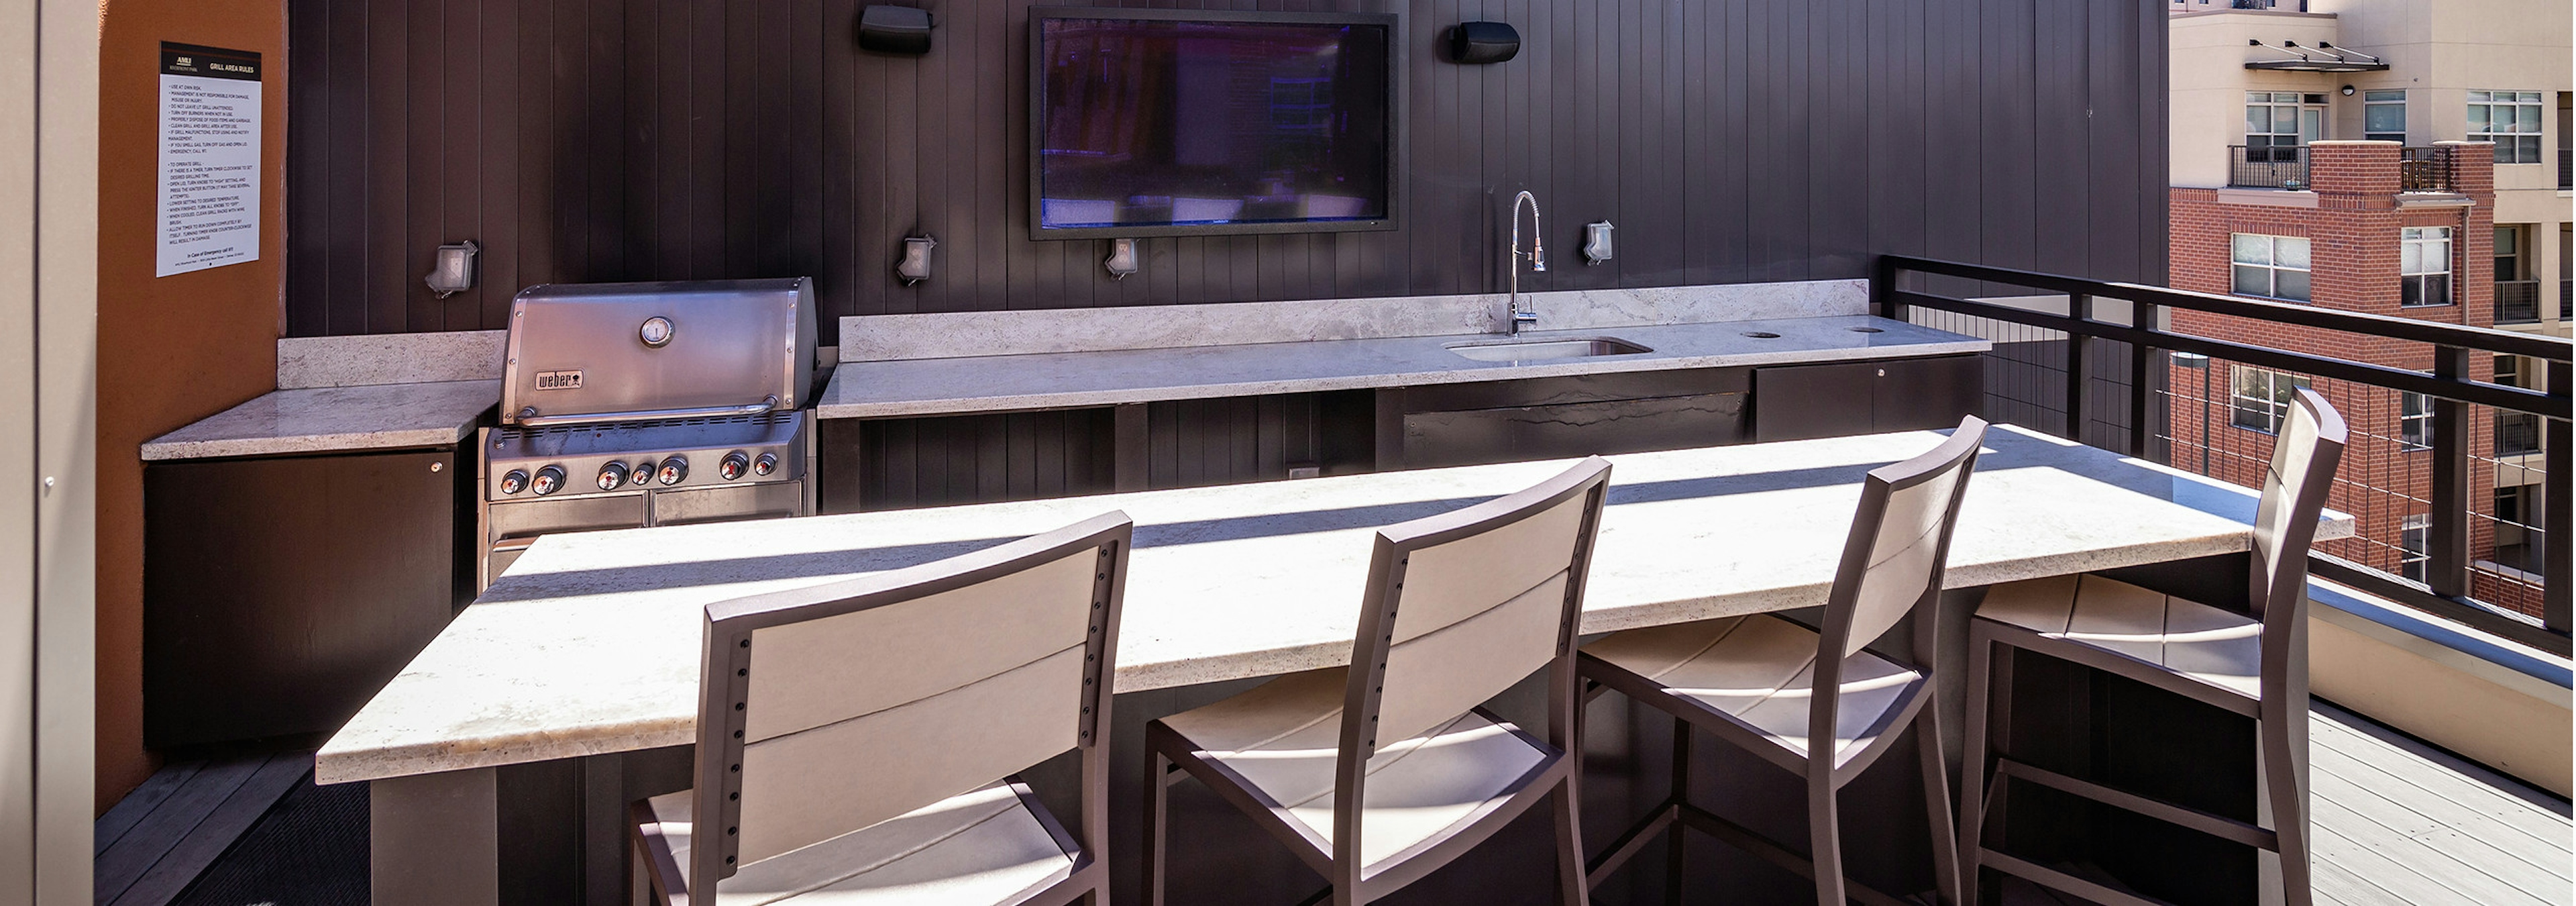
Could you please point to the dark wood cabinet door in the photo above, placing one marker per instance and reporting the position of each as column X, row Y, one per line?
column 279, row 594
column 1919, row 394
column 1803, row 402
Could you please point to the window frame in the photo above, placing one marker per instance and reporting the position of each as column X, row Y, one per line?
column 2416, row 284
column 2272, row 404
column 2415, row 546
column 2414, row 421
column 2383, row 98
column 2270, row 266
column 2518, row 145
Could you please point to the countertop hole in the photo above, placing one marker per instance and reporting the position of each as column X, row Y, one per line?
column 1869, row 330
column 1762, row 335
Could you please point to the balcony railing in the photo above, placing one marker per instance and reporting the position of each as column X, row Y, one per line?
column 2423, row 170
column 2566, row 168
column 2273, row 167
column 2416, row 489
column 2517, row 301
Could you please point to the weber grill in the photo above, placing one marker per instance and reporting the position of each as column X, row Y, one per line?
column 635, row 404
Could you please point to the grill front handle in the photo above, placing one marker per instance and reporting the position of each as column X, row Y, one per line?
column 528, row 417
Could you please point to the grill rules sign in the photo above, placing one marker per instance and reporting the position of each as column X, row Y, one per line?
column 210, row 132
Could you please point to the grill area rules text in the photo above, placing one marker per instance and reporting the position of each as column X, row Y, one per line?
column 210, row 132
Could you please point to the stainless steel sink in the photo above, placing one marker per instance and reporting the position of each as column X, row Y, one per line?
column 1542, row 350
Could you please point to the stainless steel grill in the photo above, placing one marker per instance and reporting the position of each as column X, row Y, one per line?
column 635, row 404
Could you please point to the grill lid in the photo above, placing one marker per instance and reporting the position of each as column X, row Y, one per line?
column 613, row 351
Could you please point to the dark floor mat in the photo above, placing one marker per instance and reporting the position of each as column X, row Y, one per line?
column 309, row 850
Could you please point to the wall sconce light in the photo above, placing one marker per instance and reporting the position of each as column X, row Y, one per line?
column 1596, row 242
column 915, row 266
column 895, row 29
column 1122, row 258
column 1481, row 43
column 2347, row 91
column 451, row 269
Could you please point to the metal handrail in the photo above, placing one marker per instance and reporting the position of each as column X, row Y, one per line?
column 2449, row 385
column 2517, row 301
column 2268, row 167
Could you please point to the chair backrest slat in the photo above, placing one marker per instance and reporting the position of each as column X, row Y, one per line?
column 1469, row 602
column 2304, row 459
column 829, row 709
column 1900, row 539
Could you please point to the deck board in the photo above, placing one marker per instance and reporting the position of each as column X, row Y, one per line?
column 2400, row 822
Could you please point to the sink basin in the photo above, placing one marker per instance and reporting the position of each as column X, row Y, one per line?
column 1542, row 350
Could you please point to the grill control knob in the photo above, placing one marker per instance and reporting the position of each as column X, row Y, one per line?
column 734, row 465
column 767, row 463
column 641, row 475
column 675, row 470
column 549, row 480
column 514, row 482
column 611, row 476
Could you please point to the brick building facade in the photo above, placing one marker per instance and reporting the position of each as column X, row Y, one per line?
column 2347, row 232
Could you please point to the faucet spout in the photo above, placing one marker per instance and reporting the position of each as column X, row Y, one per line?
column 1537, row 257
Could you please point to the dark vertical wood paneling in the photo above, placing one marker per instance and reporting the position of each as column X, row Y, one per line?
column 1730, row 141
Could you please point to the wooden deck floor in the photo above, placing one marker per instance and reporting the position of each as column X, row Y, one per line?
column 2401, row 824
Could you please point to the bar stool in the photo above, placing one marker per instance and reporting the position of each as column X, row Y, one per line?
column 2253, row 666
column 1378, row 773
column 1812, row 702
column 856, row 740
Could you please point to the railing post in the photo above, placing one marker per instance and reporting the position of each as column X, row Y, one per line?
column 2446, row 567
column 1882, row 289
column 2142, row 395
column 2078, row 371
column 2558, row 505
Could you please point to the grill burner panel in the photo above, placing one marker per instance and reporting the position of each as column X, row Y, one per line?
column 640, row 448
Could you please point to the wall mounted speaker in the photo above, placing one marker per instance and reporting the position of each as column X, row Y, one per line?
column 894, row 29
column 1479, row 43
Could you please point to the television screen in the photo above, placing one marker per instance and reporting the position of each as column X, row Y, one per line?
column 1168, row 123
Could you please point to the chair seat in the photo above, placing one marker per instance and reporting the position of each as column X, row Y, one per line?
column 982, row 847
column 1758, row 672
column 2221, row 649
column 1284, row 737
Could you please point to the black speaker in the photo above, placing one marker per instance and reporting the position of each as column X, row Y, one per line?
column 895, row 29
column 1483, row 42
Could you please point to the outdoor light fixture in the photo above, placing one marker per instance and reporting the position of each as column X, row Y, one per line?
column 1480, row 43
column 1122, row 258
column 1596, row 242
column 915, row 266
column 895, row 29
column 451, row 269
column 2347, row 91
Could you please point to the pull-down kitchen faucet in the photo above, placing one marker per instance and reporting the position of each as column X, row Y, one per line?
column 1537, row 257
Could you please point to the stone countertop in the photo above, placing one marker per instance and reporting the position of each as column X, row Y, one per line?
column 590, row 643
column 334, row 419
column 914, row 387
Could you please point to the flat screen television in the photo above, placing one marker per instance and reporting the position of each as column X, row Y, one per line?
column 1179, row 122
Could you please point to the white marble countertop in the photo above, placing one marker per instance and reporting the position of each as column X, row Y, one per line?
column 334, row 419
column 589, row 644
column 911, row 387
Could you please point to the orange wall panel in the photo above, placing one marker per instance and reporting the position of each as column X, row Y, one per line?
column 172, row 349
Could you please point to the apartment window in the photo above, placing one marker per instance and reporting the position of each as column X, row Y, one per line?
column 2508, row 370
column 2414, row 420
column 2412, row 546
column 2275, row 266
column 2262, row 398
column 2424, row 266
column 2508, row 254
column 2510, row 119
column 2383, row 116
column 2277, row 119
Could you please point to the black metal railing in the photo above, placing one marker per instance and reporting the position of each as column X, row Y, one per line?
column 2142, row 417
column 2566, row 168
column 2423, row 170
column 2517, row 301
column 2267, row 167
